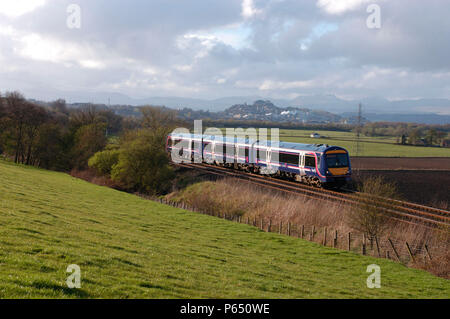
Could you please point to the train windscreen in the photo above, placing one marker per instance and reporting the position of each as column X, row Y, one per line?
column 337, row 160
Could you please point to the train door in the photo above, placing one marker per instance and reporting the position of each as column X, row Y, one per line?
column 302, row 164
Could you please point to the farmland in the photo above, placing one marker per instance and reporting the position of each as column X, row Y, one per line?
column 374, row 146
column 129, row 247
column 370, row 146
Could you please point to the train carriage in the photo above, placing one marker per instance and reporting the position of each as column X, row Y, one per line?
column 314, row 164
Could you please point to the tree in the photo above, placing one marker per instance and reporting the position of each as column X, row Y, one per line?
column 36, row 118
column 155, row 117
column 51, row 150
column 59, row 106
column 369, row 215
column 17, row 109
column 414, row 136
column 143, row 163
column 431, row 136
column 88, row 140
column 88, row 114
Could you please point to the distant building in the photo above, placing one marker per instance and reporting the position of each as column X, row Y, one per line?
column 445, row 143
column 315, row 135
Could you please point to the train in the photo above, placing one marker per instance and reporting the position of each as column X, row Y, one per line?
column 319, row 165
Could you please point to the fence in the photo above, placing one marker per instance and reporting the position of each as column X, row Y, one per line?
column 388, row 247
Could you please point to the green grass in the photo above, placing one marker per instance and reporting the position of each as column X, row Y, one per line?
column 379, row 146
column 128, row 247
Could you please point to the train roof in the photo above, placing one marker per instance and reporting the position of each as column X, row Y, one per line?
column 288, row 145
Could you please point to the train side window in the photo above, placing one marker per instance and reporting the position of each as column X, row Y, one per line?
column 246, row 152
column 261, row 154
column 288, row 158
column 310, row 161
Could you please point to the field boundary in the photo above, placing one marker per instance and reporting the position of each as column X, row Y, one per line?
column 356, row 242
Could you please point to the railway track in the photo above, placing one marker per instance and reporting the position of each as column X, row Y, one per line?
column 400, row 210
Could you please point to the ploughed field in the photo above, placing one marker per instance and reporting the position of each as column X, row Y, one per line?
column 129, row 247
column 421, row 180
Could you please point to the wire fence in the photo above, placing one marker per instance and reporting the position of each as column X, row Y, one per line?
column 385, row 247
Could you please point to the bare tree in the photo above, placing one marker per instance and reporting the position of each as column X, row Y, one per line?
column 370, row 214
column 155, row 117
column 17, row 113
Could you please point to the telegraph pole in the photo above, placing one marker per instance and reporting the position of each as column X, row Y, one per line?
column 358, row 131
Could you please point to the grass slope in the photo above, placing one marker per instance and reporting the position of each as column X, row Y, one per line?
column 130, row 247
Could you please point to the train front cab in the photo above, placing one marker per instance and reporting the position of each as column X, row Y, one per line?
column 336, row 167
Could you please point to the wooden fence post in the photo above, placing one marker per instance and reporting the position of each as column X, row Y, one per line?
column 262, row 224
column 393, row 248
column 311, row 236
column 387, row 254
column 289, row 229
column 378, row 246
column 303, row 231
column 325, row 236
column 364, row 244
column 428, row 252
column 349, row 240
column 254, row 221
column 269, row 228
column 280, row 227
column 410, row 252
column 335, row 238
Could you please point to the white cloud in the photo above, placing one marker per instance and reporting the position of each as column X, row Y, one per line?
column 248, row 9
column 340, row 6
column 16, row 8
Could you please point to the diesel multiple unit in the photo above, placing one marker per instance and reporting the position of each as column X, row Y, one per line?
column 313, row 164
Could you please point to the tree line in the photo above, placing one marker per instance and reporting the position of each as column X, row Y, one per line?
column 128, row 150
column 409, row 133
column 52, row 136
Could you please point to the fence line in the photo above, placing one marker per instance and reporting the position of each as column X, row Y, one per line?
column 355, row 242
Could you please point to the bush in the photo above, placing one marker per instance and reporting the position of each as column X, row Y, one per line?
column 103, row 161
column 143, row 163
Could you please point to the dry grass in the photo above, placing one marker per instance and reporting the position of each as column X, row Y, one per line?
column 237, row 198
column 91, row 176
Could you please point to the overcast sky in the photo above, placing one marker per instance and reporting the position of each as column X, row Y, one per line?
column 217, row 48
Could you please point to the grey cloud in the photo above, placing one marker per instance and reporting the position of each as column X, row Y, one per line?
column 407, row 57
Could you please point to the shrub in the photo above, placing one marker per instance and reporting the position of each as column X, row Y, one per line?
column 103, row 161
column 143, row 163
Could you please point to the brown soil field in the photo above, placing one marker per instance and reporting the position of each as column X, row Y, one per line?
column 401, row 163
column 428, row 187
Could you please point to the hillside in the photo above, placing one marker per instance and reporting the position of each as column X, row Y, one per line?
column 128, row 247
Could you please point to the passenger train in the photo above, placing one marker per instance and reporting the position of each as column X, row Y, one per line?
column 314, row 164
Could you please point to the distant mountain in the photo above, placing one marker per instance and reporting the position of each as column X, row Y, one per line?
column 410, row 118
column 418, row 110
column 264, row 110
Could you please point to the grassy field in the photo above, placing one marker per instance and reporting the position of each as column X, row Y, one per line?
column 370, row 146
column 128, row 247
